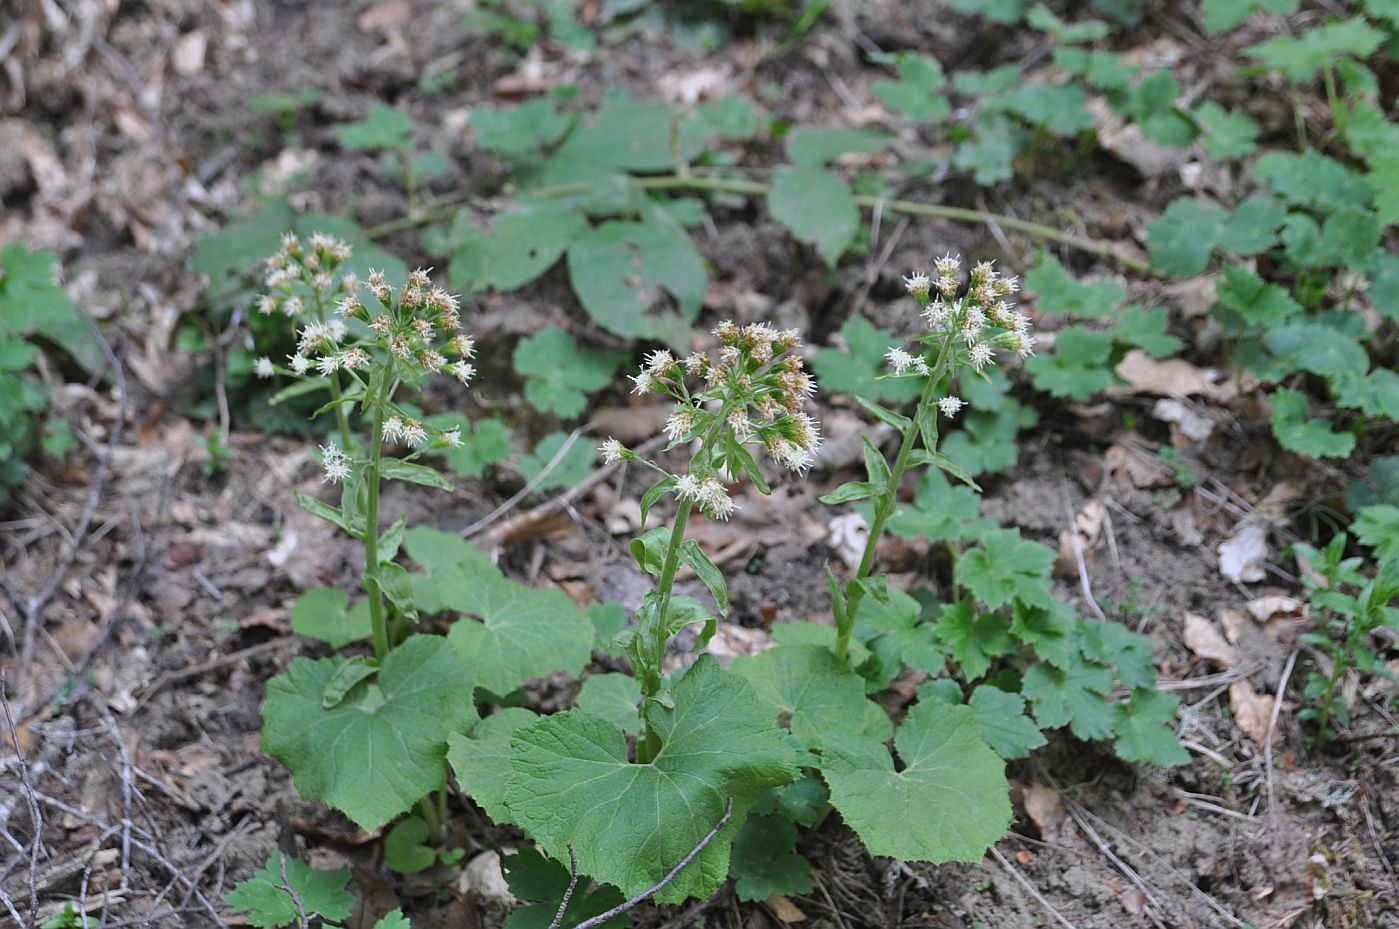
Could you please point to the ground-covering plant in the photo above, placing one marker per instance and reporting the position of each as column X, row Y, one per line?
column 724, row 764
column 289, row 892
column 331, row 720
column 1349, row 604
column 1318, row 220
column 610, row 193
column 34, row 309
column 1015, row 648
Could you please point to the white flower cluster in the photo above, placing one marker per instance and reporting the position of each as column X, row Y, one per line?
column 978, row 322
column 753, row 390
column 335, row 463
column 298, row 272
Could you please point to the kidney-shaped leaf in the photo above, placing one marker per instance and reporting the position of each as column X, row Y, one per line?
column 523, row 633
column 949, row 803
column 813, row 693
column 631, row 823
column 380, row 749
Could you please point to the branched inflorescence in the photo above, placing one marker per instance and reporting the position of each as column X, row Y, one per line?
column 752, row 392
column 403, row 336
column 967, row 330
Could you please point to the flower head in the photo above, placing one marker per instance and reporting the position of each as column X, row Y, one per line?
column 899, row 360
column 918, row 285
column 950, row 405
column 264, row 368
column 335, row 463
column 612, row 451
column 413, row 433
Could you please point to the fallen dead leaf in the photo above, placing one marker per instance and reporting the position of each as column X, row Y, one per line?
column 848, row 535
column 1204, row 639
column 1133, row 900
column 1126, row 142
column 1189, row 423
column 784, row 909
column 1252, row 711
column 187, row 55
column 1171, row 377
column 1046, row 810
column 1266, row 607
column 1088, row 526
column 733, row 641
column 483, row 875
column 1235, row 624
column 1241, row 558
column 1131, row 459
column 385, row 18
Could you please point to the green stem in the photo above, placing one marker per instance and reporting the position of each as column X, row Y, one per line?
column 956, row 556
column 650, row 744
column 427, row 811
column 886, row 502
column 759, row 189
column 377, row 615
column 342, row 419
column 1338, row 119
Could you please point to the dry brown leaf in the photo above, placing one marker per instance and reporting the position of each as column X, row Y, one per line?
column 1252, row 711
column 1126, row 142
column 784, row 909
column 1133, row 900
column 1144, row 469
column 1171, row 377
column 385, row 18
column 848, row 535
column 1088, row 526
column 1266, row 607
column 1235, row 623
column 187, row 55
column 1188, row 423
column 731, row 640
column 1046, row 810
column 1241, row 558
column 1204, row 639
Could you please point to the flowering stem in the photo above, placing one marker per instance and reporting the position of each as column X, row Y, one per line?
column 886, row 502
column 342, row 420
column 371, row 527
column 649, row 744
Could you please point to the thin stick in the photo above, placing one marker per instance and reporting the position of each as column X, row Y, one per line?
column 295, row 897
column 553, row 505
column 1025, row 882
column 37, row 842
column 1272, row 724
column 526, row 490
column 142, row 840
column 572, row 883
column 1083, row 583
column 621, row 908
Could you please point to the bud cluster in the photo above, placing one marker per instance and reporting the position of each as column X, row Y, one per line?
column 300, row 273
column 412, row 332
column 752, row 391
column 969, row 328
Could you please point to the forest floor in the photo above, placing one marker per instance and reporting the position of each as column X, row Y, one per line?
column 147, row 597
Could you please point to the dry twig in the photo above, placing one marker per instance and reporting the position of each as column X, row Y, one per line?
column 621, row 908
column 37, row 841
column 1025, row 882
